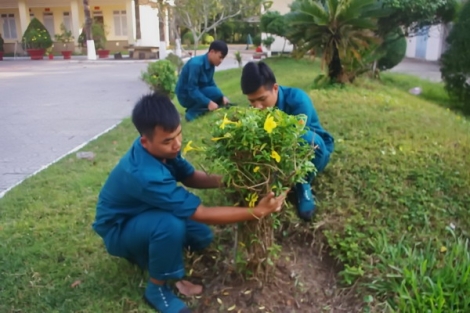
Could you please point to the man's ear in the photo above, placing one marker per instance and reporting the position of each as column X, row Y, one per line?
column 275, row 87
column 144, row 141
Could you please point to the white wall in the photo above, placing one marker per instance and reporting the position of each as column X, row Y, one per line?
column 282, row 6
column 149, row 27
column 411, row 47
column 434, row 45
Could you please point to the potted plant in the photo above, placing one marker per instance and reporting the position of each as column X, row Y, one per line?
column 1, row 47
column 99, row 37
column 267, row 42
column 49, row 53
column 36, row 39
column 65, row 37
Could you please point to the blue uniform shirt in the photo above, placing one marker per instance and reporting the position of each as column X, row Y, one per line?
column 141, row 182
column 294, row 101
column 197, row 74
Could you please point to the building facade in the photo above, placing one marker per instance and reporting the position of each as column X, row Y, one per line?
column 429, row 44
column 125, row 22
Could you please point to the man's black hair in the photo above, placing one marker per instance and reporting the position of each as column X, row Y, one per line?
column 220, row 46
column 256, row 75
column 154, row 110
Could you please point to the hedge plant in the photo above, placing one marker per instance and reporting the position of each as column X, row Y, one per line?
column 36, row 36
column 161, row 76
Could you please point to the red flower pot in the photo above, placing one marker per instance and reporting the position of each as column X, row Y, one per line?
column 51, row 56
column 103, row 54
column 1, row 55
column 36, row 54
column 67, row 54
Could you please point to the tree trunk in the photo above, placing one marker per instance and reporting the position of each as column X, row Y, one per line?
column 335, row 68
column 138, row 33
column 255, row 240
column 196, row 42
column 90, row 44
column 88, row 21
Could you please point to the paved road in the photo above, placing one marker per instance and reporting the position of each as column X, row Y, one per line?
column 48, row 108
column 422, row 69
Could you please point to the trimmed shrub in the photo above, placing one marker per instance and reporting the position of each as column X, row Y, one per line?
column 394, row 47
column 36, row 36
column 455, row 62
column 161, row 76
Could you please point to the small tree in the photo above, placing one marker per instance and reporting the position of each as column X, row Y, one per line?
column 161, row 76
column 272, row 22
column 202, row 16
column 393, row 49
column 36, row 36
column 257, row 151
column 337, row 29
column 455, row 62
column 65, row 35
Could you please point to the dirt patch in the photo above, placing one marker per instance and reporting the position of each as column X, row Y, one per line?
column 304, row 281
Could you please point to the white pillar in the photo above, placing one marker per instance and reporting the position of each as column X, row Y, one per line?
column 24, row 17
column 75, row 16
column 149, row 26
column 131, row 27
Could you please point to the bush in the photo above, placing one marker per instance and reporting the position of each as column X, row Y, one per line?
column 207, row 39
column 257, row 151
column 455, row 62
column 161, row 76
column 36, row 36
column 99, row 36
column 257, row 40
column 188, row 38
column 394, row 47
column 1, row 43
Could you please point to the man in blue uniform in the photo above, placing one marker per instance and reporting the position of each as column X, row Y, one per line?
column 258, row 83
column 144, row 216
column 196, row 90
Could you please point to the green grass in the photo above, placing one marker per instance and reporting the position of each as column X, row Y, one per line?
column 398, row 178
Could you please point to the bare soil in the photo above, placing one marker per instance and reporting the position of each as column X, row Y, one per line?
column 304, row 280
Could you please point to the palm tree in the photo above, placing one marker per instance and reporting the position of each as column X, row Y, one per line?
column 338, row 29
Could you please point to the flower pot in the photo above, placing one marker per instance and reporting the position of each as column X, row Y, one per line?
column 1, row 55
column 103, row 54
column 51, row 56
column 36, row 54
column 67, row 54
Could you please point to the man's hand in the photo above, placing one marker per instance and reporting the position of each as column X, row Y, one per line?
column 212, row 106
column 226, row 101
column 271, row 203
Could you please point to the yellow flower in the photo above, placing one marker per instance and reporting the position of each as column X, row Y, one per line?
column 443, row 249
column 269, row 124
column 227, row 121
column 227, row 135
column 188, row 147
column 256, row 169
column 252, row 200
column 276, row 156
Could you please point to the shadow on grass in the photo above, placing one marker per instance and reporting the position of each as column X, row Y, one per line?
column 431, row 91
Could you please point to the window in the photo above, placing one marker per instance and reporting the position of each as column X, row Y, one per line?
column 9, row 26
column 67, row 21
column 49, row 23
column 120, row 23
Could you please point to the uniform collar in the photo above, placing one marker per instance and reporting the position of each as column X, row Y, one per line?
column 280, row 99
column 206, row 63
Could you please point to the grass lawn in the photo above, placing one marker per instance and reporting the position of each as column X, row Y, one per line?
column 393, row 209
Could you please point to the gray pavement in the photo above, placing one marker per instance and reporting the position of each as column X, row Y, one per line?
column 423, row 69
column 49, row 108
